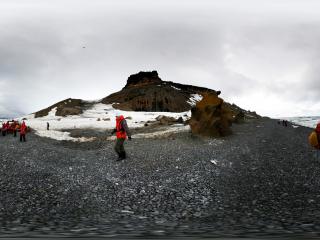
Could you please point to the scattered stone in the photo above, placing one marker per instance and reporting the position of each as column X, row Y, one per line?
column 214, row 162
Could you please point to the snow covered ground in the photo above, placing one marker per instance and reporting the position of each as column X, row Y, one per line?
column 305, row 121
column 160, row 133
column 99, row 117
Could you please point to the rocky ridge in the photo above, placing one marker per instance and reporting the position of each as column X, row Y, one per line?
column 146, row 91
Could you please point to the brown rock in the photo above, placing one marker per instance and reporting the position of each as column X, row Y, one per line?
column 211, row 117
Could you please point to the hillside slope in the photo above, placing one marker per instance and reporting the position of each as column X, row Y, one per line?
column 147, row 92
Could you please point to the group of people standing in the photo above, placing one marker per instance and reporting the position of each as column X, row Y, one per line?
column 122, row 133
column 13, row 128
column 283, row 122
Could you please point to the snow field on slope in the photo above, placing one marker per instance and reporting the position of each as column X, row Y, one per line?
column 89, row 119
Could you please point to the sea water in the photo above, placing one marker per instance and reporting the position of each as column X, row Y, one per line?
column 310, row 121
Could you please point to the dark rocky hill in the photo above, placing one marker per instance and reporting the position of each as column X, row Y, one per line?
column 146, row 91
column 65, row 107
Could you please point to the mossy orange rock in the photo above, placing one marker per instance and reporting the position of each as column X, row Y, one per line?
column 211, row 117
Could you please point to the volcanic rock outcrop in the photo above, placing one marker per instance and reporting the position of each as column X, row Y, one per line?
column 145, row 91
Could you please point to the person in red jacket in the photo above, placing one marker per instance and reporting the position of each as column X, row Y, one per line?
column 317, row 130
column 122, row 131
column 23, row 131
column 4, row 129
column 7, row 127
column 15, row 126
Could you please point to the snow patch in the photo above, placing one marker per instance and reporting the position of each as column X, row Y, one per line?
column 215, row 162
column 52, row 113
column 58, row 135
column 179, row 89
column 194, row 99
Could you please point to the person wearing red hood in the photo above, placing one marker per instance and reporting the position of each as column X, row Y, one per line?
column 23, row 131
column 7, row 127
column 317, row 130
column 4, row 129
column 122, row 131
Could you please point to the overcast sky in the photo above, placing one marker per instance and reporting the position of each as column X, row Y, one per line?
column 264, row 55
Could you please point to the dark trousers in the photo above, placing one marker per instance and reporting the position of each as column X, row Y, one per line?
column 119, row 148
column 22, row 136
column 4, row 133
column 14, row 133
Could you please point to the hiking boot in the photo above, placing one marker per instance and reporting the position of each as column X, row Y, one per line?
column 119, row 157
column 122, row 156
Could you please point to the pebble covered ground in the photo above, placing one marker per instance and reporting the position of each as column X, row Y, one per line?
column 261, row 181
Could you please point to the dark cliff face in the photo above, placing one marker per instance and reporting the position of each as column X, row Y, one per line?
column 142, row 79
column 145, row 91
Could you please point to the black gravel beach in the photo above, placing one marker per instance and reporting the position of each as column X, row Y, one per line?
column 261, row 181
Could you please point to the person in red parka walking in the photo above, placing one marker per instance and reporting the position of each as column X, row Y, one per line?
column 122, row 131
column 4, row 129
column 7, row 127
column 23, row 131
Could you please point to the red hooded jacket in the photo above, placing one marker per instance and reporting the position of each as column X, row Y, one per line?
column 121, row 133
column 23, row 128
column 318, row 128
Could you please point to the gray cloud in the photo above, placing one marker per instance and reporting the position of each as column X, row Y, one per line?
column 262, row 55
